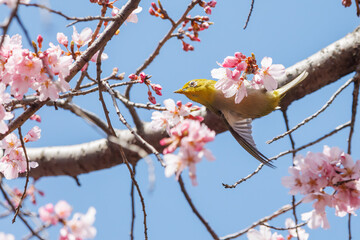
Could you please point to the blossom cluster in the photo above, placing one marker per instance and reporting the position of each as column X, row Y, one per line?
column 264, row 233
column 79, row 227
column 16, row 195
column 331, row 178
column 143, row 78
column 208, row 6
column 186, row 132
column 13, row 160
column 22, row 69
column 197, row 23
column 233, row 76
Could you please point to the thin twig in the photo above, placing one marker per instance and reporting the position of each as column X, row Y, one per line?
column 132, row 175
column 20, row 216
column 349, row 226
column 162, row 42
column 123, row 120
column 6, row 26
column 193, row 208
column 249, row 15
column 80, row 93
column 101, row 98
column 27, row 176
column 352, row 125
column 284, row 229
column 151, row 58
column 127, row 102
column 353, row 109
column 77, row 19
column 93, row 118
column 282, row 210
column 293, row 199
column 132, row 206
column 337, row 129
column 39, row 230
column 332, row 98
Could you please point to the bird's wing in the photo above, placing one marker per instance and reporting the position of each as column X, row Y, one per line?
column 240, row 128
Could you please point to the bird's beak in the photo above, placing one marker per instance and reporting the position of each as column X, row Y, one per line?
column 179, row 91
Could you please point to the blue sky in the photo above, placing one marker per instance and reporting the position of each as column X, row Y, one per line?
column 287, row 31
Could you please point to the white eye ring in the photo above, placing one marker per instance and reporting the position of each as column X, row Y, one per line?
column 193, row 84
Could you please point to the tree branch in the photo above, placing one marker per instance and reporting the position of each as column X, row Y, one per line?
column 324, row 67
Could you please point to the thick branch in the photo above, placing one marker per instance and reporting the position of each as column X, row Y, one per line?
column 324, row 67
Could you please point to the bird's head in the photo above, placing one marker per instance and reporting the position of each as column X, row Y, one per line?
column 199, row 90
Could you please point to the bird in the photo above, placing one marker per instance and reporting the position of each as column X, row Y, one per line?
column 238, row 117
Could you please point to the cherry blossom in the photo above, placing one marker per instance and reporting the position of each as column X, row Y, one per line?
column 4, row 236
column 83, row 38
column 47, row 214
column 81, row 224
column 293, row 233
column 330, row 179
column 63, row 209
column 230, row 83
column 191, row 136
column 269, row 73
column 263, row 234
column 62, row 39
column 33, row 134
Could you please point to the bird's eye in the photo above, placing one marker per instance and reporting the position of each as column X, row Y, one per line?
column 193, row 84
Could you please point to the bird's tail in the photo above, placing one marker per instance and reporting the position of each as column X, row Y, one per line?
column 284, row 89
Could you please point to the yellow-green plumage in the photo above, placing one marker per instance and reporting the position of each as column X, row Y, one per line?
column 258, row 103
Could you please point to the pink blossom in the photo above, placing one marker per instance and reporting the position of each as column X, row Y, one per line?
column 289, row 223
column 142, row 77
column 47, row 214
column 65, row 234
column 315, row 219
column 237, row 61
column 294, row 182
column 207, row 10
column 81, row 224
column 83, row 38
column 10, row 142
column 157, row 88
column 62, row 39
column 151, row 98
column 263, row 234
column 14, row 163
column 187, row 46
column 33, row 134
column 175, row 164
column 191, row 136
column 230, row 83
column 36, row 117
column 269, row 73
column 323, row 200
column 133, row 76
column 63, row 209
column 4, row 236
column 212, row 3
column 315, row 172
